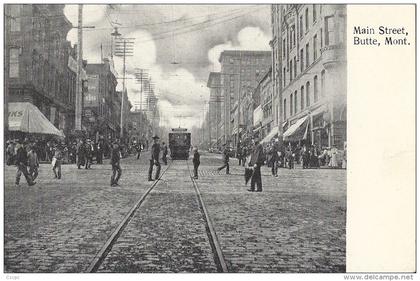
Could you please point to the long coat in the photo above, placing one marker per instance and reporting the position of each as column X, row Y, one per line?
column 257, row 156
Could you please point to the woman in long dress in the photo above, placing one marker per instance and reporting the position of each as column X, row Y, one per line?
column 333, row 161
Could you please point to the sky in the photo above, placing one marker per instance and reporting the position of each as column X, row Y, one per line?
column 192, row 36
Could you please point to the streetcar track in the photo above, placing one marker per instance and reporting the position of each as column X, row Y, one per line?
column 106, row 248
column 211, row 233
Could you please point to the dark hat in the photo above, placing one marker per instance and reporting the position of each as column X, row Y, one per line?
column 155, row 137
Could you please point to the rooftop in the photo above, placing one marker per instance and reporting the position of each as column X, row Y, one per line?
column 235, row 53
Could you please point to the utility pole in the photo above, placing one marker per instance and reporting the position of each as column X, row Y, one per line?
column 239, row 98
column 140, row 76
column 78, row 105
column 124, row 47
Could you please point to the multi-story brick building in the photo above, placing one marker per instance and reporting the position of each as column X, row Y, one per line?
column 139, row 127
column 37, row 59
column 266, row 102
column 101, row 102
column 309, row 73
column 215, row 107
column 239, row 72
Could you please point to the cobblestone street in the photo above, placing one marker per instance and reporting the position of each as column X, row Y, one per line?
column 297, row 224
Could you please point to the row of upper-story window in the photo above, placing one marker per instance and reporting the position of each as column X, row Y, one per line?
column 43, row 75
column 298, row 100
column 330, row 33
column 309, row 53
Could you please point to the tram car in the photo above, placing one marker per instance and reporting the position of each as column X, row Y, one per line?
column 179, row 143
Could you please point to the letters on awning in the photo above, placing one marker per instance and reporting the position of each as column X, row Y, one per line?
column 26, row 117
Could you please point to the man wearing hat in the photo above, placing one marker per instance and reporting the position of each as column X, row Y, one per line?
column 21, row 163
column 80, row 151
column 10, row 152
column 155, row 158
column 257, row 160
column 115, row 163
column 88, row 154
column 226, row 154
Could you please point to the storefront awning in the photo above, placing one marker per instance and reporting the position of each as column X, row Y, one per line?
column 235, row 131
column 298, row 131
column 271, row 135
column 319, row 110
column 26, row 117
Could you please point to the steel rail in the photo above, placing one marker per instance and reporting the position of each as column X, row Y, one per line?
column 106, row 248
column 211, row 233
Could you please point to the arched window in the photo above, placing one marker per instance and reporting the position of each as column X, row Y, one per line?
column 291, row 104
column 284, row 109
column 302, row 98
column 315, row 88
column 308, row 99
column 323, row 83
column 295, row 102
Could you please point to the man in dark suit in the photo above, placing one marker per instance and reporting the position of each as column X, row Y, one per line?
column 115, row 164
column 80, row 151
column 22, row 163
column 154, row 159
column 226, row 153
column 257, row 160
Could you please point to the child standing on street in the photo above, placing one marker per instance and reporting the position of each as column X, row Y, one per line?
column 56, row 162
column 196, row 162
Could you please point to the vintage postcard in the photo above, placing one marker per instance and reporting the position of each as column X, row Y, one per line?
column 209, row 138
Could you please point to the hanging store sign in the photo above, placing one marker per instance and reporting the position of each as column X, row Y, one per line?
column 91, row 97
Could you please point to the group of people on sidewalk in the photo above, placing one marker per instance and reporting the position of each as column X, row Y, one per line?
column 255, row 156
column 23, row 154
